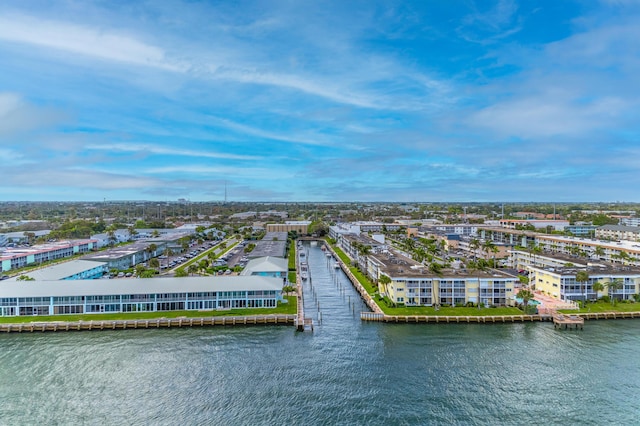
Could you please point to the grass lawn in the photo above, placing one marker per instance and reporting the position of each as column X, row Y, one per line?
column 427, row 310
column 292, row 256
column 282, row 309
column 605, row 307
column 366, row 283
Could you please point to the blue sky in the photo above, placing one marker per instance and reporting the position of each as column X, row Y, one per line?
column 320, row 100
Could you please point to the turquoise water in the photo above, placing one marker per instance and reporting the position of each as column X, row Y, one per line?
column 531, row 302
column 344, row 373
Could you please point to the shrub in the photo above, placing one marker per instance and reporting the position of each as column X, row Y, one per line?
column 606, row 298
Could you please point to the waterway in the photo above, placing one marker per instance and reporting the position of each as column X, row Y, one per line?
column 344, row 373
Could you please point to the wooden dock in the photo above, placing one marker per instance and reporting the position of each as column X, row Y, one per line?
column 146, row 324
column 301, row 322
column 567, row 321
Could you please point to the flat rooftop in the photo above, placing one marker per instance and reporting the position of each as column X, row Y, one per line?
column 270, row 248
column 398, row 265
column 12, row 252
column 62, row 270
column 278, row 236
column 137, row 286
column 119, row 252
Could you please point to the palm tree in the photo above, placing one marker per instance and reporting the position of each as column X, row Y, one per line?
column 154, row 263
column 474, row 244
column 582, row 277
column 526, row 295
column 132, row 232
column 599, row 251
column 488, row 246
column 192, row 269
column 203, row 265
column 384, row 280
column 598, row 287
column 111, row 234
column 614, row 285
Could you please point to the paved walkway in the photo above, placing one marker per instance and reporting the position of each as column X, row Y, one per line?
column 549, row 304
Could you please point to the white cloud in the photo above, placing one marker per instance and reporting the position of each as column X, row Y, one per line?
column 19, row 116
column 83, row 40
column 161, row 150
column 235, row 172
column 549, row 115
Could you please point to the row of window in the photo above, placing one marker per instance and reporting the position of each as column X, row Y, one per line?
column 71, row 300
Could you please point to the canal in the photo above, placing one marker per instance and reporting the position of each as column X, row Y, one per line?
column 329, row 298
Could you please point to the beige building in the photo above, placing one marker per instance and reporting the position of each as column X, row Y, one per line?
column 300, row 226
column 562, row 283
column 413, row 284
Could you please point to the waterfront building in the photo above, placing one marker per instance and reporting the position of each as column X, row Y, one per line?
column 72, row 270
column 19, row 257
column 268, row 266
column 413, row 284
column 561, row 282
column 32, row 298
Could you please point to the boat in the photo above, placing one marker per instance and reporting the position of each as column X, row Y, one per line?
column 328, row 254
column 336, row 265
column 303, row 275
column 313, row 243
column 323, row 248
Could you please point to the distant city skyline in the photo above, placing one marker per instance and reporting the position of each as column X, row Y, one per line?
column 448, row 101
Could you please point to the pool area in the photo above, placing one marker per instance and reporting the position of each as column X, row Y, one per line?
column 532, row 302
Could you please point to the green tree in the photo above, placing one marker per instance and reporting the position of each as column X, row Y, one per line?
column 384, row 280
column 193, row 268
column 180, row 272
column 474, row 245
column 613, row 286
column 526, row 295
column 147, row 273
column 598, row 287
column 154, row 263
column 582, row 277
column 490, row 249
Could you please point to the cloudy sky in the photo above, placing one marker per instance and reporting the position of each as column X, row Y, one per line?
column 455, row 100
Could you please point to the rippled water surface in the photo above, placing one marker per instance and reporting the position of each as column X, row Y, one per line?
column 345, row 372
